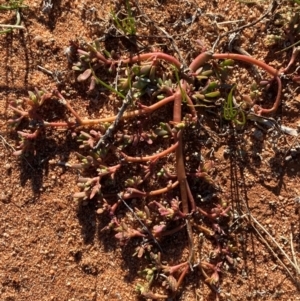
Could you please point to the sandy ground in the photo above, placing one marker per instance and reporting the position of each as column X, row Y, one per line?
column 55, row 248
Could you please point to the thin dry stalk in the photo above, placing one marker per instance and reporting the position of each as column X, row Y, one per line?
column 12, row 26
column 293, row 253
column 251, row 218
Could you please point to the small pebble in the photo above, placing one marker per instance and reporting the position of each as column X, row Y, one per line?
column 288, row 158
column 100, row 211
column 268, row 221
column 39, row 40
column 7, row 166
column 294, row 152
column 226, row 152
column 5, row 198
column 258, row 135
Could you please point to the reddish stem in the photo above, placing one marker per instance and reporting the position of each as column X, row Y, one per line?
column 296, row 51
column 64, row 102
column 149, row 158
column 20, row 112
column 59, row 124
column 153, row 55
column 182, row 275
column 180, row 168
column 190, row 196
column 191, row 106
column 200, row 60
column 277, row 101
column 170, row 232
column 246, row 59
column 133, row 193
column 102, row 58
column 172, row 269
column 261, row 64
column 162, row 190
column 127, row 115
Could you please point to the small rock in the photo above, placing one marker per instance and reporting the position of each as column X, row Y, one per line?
column 226, row 152
column 93, row 294
column 39, row 40
column 268, row 221
column 244, row 273
column 294, row 152
column 297, row 200
column 5, row 198
column 100, row 211
column 288, row 158
column 258, row 135
column 7, row 166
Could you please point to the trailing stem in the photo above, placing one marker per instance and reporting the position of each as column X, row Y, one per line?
column 90, row 122
column 180, row 169
column 273, row 72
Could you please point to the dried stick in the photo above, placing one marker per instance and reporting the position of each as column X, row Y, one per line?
column 273, row 252
column 274, row 241
column 111, row 128
column 271, row 8
column 293, row 254
column 12, row 26
column 162, row 30
column 141, row 223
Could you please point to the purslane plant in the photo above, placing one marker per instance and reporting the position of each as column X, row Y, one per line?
column 162, row 79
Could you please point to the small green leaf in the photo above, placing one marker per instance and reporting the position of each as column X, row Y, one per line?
column 206, row 73
column 228, row 62
column 213, row 94
column 32, row 96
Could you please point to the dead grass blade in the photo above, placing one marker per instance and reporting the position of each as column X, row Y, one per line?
column 290, row 273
